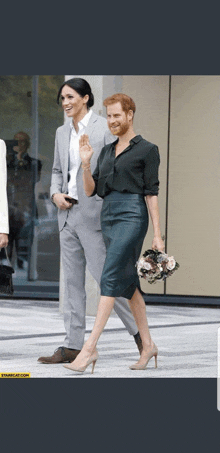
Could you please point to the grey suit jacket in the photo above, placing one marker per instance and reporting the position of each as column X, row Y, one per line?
column 99, row 136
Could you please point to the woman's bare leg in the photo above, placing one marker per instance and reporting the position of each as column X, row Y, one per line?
column 138, row 309
column 105, row 307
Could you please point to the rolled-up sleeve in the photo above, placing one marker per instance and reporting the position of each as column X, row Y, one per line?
column 151, row 179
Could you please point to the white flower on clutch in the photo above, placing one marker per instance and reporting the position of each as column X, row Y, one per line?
column 147, row 266
column 171, row 263
column 144, row 264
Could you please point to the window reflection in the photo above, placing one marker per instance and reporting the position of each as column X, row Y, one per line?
column 33, row 240
column 23, row 172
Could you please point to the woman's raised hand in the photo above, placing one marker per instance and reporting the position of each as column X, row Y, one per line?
column 85, row 149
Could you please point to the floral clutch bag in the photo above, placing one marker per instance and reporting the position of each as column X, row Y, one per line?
column 155, row 265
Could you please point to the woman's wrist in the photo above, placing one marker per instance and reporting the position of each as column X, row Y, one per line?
column 52, row 197
column 157, row 235
column 85, row 165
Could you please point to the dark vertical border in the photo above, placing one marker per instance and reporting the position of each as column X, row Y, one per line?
column 167, row 181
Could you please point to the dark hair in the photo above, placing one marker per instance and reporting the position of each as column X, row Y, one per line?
column 127, row 102
column 81, row 86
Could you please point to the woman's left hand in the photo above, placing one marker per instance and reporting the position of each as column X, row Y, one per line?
column 158, row 244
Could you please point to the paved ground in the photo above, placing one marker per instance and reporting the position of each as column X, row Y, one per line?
column 187, row 339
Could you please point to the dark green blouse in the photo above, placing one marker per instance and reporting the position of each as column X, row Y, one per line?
column 135, row 170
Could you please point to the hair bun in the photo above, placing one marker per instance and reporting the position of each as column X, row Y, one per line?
column 91, row 100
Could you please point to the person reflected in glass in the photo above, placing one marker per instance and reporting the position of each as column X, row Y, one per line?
column 126, row 174
column 23, row 173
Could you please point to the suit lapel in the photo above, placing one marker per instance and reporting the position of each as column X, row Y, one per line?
column 91, row 124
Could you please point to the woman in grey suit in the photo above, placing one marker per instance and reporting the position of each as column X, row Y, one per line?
column 4, row 227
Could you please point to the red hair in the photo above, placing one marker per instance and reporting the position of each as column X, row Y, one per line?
column 126, row 102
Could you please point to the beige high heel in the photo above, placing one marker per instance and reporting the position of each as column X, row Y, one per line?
column 92, row 359
column 152, row 353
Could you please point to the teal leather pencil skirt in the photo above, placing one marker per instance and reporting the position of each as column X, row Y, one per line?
column 124, row 222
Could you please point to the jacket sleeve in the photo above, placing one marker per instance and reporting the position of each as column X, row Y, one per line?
column 4, row 225
column 57, row 174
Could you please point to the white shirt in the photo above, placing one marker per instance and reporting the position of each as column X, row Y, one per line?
column 4, row 226
column 74, row 157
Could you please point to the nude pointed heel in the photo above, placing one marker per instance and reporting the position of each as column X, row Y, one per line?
column 143, row 366
column 93, row 366
column 92, row 359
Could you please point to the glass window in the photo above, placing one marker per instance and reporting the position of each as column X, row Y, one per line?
column 29, row 117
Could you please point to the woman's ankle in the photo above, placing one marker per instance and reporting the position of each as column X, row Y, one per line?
column 147, row 344
column 90, row 346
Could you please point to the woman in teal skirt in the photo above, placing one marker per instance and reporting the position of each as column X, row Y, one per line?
column 126, row 174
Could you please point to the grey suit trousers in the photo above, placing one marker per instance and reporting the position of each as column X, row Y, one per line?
column 81, row 246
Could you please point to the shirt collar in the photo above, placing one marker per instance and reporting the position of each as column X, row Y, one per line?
column 83, row 122
column 135, row 139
